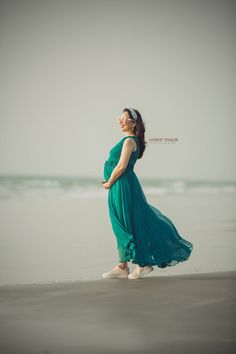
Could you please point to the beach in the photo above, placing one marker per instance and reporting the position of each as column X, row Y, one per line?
column 53, row 298
column 170, row 314
column 51, row 239
column 65, row 114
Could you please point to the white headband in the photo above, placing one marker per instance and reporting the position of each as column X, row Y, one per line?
column 133, row 113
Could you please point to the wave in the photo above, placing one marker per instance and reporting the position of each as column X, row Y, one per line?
column 18, row 186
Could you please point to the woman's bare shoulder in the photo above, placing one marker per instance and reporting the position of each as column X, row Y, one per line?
column 130, row 143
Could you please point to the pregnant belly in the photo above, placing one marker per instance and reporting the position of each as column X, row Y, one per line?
column 108, row 168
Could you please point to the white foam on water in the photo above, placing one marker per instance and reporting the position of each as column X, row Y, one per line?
column 82, row 187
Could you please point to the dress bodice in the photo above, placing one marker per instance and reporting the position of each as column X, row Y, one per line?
column 115, row 151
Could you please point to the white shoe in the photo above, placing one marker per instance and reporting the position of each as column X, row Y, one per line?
column 116, row 272
column 140, row 272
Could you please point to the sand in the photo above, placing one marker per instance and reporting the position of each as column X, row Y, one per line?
column 56, row 251
column 168, row 314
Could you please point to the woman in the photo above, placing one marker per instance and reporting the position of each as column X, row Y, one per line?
column 143, row 234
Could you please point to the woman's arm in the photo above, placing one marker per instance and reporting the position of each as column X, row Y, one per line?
column 126, row 152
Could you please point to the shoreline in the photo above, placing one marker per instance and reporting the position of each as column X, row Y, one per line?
column 64, row 240
column 213, row 274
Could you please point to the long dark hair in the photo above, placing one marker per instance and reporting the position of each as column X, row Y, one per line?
column 139, row 130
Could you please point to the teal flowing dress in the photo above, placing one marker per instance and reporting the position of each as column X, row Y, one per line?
column 144, row 235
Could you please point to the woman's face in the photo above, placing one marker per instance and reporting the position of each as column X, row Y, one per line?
column 126, row 124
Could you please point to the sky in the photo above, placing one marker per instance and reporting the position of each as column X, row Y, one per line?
column 69, row 68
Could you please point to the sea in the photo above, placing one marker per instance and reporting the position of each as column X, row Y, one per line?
column 57, row 228
column 27, row 186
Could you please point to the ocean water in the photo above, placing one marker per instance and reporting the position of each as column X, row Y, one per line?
column 55, row 229
column 20, row 186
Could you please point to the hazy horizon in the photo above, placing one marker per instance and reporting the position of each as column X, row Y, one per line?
column 70, row 67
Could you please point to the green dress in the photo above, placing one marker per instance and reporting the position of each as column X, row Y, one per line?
column 144, row 235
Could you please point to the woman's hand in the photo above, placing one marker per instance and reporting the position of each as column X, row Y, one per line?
column 106, row 185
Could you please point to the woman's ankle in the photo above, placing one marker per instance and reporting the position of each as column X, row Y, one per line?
column 123, row 266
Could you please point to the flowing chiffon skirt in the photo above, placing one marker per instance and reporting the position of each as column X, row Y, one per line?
column 144, row 235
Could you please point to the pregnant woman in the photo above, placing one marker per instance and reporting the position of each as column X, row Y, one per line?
column 144, row 235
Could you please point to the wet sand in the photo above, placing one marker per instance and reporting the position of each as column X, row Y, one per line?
column 169, row 314
column 56, row 251
column 60, row 239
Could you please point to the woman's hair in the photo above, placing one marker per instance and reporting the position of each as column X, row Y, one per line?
column 139, row 131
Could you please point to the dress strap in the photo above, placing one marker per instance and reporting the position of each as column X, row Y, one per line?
column 130, row 136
